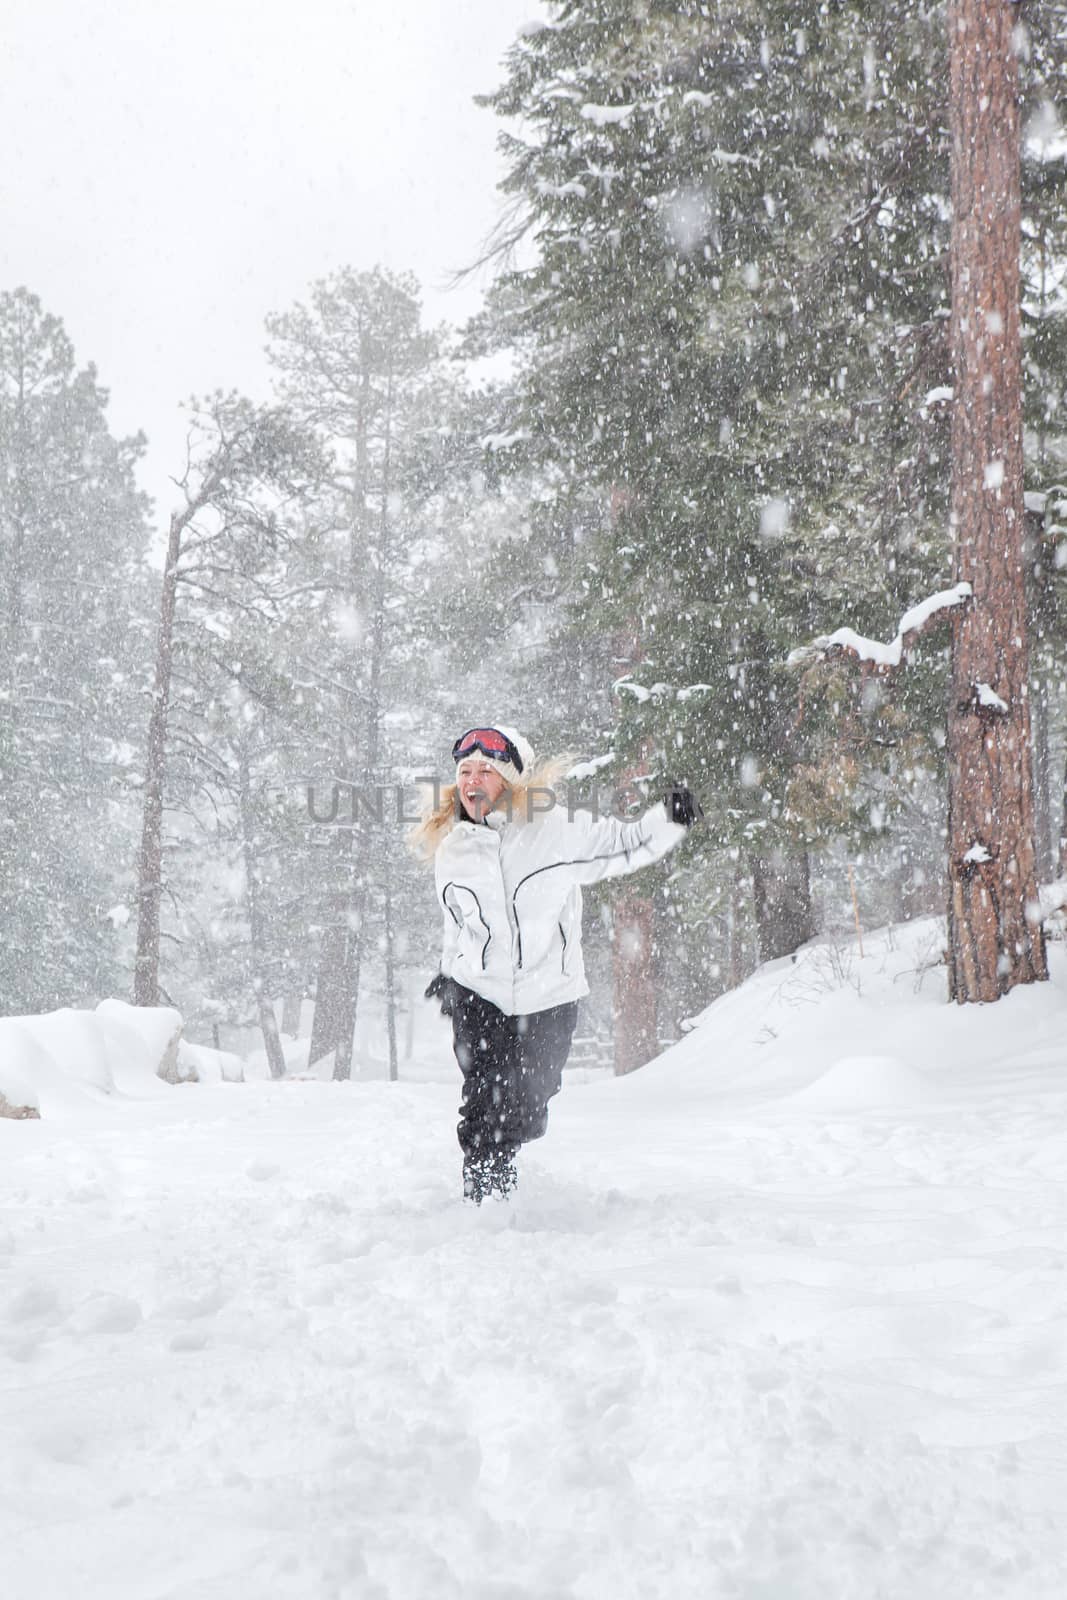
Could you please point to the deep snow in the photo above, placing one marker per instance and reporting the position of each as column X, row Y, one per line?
column 780, row 1317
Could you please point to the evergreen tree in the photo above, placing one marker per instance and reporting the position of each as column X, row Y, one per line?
column 72, row 535
column 356, row 367
column 732, row 336
column 225, row 562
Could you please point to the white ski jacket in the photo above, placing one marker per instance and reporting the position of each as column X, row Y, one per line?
column 511, row 893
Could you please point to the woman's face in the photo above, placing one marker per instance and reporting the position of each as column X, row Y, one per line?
column 480, row 786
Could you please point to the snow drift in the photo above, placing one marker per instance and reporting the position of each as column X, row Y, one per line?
column 62, row 1060
column 782, row 1315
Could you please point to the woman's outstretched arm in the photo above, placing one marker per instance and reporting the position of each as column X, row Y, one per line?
column 604, row 847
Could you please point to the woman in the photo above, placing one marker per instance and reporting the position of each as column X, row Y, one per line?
column 509, row 863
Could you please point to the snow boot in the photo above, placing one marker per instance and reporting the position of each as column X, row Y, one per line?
column 487, row 1176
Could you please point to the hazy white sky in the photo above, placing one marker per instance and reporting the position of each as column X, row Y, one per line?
column 176, row 169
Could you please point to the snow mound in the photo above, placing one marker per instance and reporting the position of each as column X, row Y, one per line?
column 144, row 1038
column 23, row 1065
column 61, row 1062
column 199, row 1063
column 866, row 1083
column 829, row 1030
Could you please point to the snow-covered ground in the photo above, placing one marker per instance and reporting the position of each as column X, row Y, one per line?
column 781, row 1317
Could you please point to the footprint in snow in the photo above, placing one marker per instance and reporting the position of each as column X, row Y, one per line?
column 37, row 1302
column 106, row 1313
column 63, row 1444
column 189, row 1308
column 189, row 1341
column 262, row 1171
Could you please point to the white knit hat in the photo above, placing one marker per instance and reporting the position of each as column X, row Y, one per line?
column 507, row 769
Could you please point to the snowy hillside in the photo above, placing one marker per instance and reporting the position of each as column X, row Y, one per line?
column 781, row 1317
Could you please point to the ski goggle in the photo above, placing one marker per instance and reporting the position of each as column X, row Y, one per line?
column 491, row 742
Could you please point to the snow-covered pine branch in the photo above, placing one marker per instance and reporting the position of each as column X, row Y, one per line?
column 883, row 657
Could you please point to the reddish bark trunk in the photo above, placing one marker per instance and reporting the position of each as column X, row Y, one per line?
column 634, row 981
column 993, row 943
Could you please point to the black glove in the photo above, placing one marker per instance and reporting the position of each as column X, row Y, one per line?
column 445, row 989
column 683, row 805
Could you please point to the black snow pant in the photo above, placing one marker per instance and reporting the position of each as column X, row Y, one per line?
column 512, row 1066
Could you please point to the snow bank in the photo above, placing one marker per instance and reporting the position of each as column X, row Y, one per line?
column 63, row 1061
column 199, row 1063
column 783, row 1316
column 827, row 1030
column 145, row 1039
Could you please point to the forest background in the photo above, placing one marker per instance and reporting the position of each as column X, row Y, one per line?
column 702, row 418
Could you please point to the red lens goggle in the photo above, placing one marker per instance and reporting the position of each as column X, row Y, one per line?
column 491, row 742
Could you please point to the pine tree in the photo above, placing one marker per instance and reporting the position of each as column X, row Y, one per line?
column 995, row 940
column 356, row 367
column 734, row 326
column 72, row 534
column 678, row 327
column 245, row 463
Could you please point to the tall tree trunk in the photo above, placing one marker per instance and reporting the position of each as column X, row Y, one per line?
column 909, row 903
column 346, row 949
column 781, row 892
column 414, row 994
column 291, row 1015
column 328, row 1018
column 364, row 842
column 633, row 949
column 390, row 984
column 634, row 981
column 268, row 1027
column 268, row 1022
column 737, row 968
column 993, row 944
column 1044, row 851
column 150, row 858
column 150, row 861
column 338, row 969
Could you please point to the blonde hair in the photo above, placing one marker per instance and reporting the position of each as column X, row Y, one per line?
column 439, row 820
